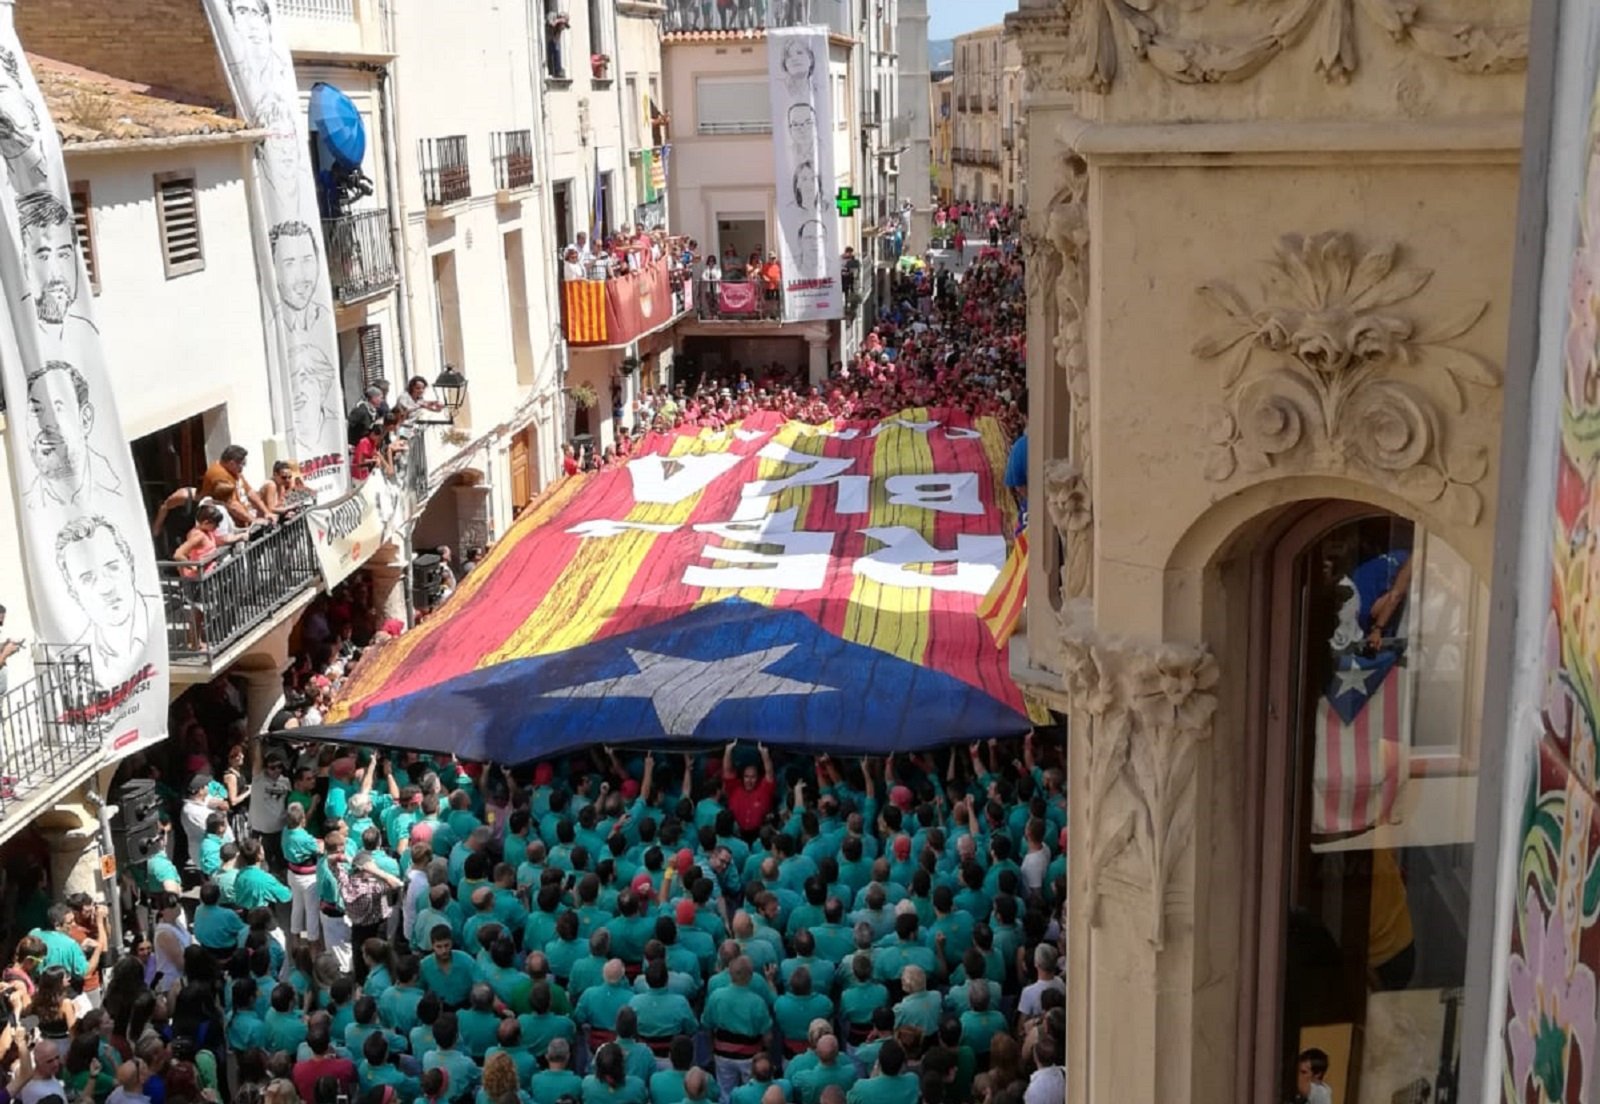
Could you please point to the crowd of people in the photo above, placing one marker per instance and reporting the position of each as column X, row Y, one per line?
column 612, row 927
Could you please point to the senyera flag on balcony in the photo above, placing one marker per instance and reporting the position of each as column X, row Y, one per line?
column 617, row 310
column 813, row 587
column 91, row 566
column 255, row 56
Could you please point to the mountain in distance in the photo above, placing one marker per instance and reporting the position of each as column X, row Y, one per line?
column 941, row 53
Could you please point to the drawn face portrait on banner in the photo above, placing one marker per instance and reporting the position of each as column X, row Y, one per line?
column 51, row 253
column 96, row 564
column 258, row 60
column 799, row 64
column 19, row 127
column 807, row 191
column 279, row 158
column 311, row 379
column 59, row 419
column 298, row 270
column 802, row 126
column 813, row 263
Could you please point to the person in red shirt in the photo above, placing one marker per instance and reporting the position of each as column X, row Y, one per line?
column 749, row 792
column 569, row 460
column 324, row 1062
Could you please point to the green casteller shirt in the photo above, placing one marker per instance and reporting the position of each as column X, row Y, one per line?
column 902, row 1088
column 662, row 1015
column 255, row 887
column 859, row 1002
column 155, row 872
column 452, row 986
column 549, row 1086
column 397, row 1008
column 810, row 1082
column 596, row 1091
column 794, row 1014
column 539, row 1030
column 527, row 1065
column 60, row 949
column 737, row 1009
column 299, row 847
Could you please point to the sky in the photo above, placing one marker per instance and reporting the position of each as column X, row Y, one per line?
column 949, row 18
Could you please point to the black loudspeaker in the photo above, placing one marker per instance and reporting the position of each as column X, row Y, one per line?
column 427, row 579
column 136, row 829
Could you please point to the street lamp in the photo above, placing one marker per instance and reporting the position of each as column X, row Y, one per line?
column 452, row 389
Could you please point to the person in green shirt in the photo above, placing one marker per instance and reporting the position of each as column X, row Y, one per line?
column 609, row 1082
column 60, row 949
column 255, row 887
column 980, row 1023
column 448, row 974
column 397, row 1008
column 796, row 1008
column 834, row 937
column 216, row 927
column 364, row 1024
column 478, row 1022
column 285, row 1023
column 158, row 874
column 761, row 1079
column 542, row 1028
column 919, row 1008
column 245, row 1028
column 458, row 1066
column 508, row 1040
column 662, row 1014
column 890, row 1083
column 666, row 1086
column 374, row 1069
column 860, row 996
column 822, row 970
column 510, row 984
column 830, row 1068
column 555, row 1081
column 597, row 1009
column 586, row 972
column 216, row 833
column 739, row 1022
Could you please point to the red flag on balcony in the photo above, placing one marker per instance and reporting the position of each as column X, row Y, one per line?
column 584, row 304
column 736, row 297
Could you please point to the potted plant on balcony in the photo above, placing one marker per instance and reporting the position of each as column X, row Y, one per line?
column 600, row 66
column 630, row 365
column 583, row 396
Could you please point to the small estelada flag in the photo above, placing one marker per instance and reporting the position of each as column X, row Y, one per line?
column 1001, row 608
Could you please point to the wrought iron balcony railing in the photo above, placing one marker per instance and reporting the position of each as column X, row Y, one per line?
column 512, row 153
column 330, row 10
column 211, row 604
column 48, row 725
column 445, row 174
column 360, row 255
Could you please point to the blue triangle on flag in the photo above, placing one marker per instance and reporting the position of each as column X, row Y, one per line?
column 732, row 670
column 1356, row 677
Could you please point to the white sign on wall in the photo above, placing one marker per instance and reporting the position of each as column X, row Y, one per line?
column 261, row 74
column 92, row 567
column 802, row 154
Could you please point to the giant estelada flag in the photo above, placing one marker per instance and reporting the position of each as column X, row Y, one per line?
column 813, row 587
column 255, row 55
column 91, row 566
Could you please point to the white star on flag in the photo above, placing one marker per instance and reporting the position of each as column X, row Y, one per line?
column 684, row 691
column 1353, row 679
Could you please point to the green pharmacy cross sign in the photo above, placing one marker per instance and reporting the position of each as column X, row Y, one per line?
column 847, row 201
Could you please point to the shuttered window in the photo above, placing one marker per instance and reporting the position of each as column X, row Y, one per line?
column 83, row 224
column 733, row 105
column 370, row 339
column 178, row 209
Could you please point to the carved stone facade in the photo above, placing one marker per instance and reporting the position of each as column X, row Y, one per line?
column 1273, row 269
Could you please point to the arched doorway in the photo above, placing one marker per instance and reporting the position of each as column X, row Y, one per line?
column 1369, row 660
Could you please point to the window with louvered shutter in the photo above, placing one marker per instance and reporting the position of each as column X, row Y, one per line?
column 371, row 342
column 83, row 223
column 178, row 210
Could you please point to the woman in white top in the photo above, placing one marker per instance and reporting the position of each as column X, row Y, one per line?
column 171, row 939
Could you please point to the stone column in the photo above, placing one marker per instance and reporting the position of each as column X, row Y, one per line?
column 263, row 695
column 817, row 351
column 388, row 590
column 72, row 832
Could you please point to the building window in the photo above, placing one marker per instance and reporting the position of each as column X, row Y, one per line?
column 178, row 213
column 631, row 111
column 732, row 105
column 555, row 31
column 83, row 224
column 599, row 42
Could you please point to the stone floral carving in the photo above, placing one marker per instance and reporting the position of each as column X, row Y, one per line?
column 1328, row 24
column 1072, row 514
column 1146, row 712
column 1324, row 370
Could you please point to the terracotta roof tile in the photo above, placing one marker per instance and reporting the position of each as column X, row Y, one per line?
column 92, row 107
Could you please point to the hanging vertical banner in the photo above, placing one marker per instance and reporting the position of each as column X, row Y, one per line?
column 261, row 75
column 802, row 153
column 91, row 564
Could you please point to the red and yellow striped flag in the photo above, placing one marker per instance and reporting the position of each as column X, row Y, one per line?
column 1001, row 608
column 585, row 303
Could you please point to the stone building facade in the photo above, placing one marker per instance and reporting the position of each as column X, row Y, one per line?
column 1269, row 293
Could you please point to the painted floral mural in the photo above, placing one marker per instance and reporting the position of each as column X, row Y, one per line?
column 1550, row 1016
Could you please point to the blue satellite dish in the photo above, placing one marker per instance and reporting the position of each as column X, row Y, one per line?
column 342, row 138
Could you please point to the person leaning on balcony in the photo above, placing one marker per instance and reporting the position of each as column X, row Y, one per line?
column 412, row 401
column 8, row 648
column 224, row 481
column 204, row 539
column 369, row 454
column 286, row 490
column 771, row 277
column 572, row 264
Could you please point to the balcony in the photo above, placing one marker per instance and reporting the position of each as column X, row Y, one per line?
column 688, row 15
column 445, row 175
column 360, row 255
column 1008, row 137
column 331, row 10
column 49, row 740
column 512, row 154
column 736, row 301
column 213, row 604
column 610, row 312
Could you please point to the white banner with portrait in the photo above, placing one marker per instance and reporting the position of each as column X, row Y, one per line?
column 802, row 153
column 91, row 565
column 255, row 56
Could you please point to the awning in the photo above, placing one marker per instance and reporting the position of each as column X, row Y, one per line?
column 811, row 587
